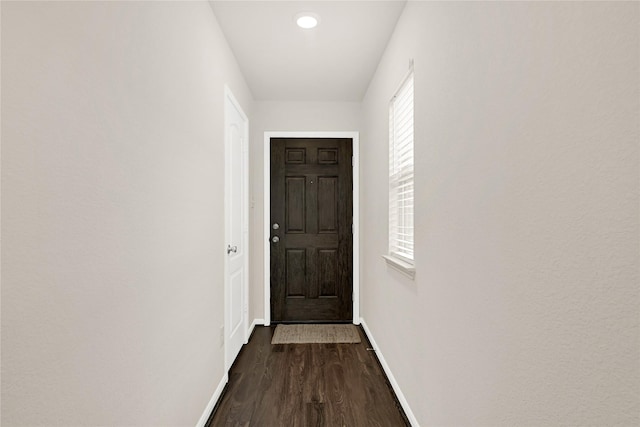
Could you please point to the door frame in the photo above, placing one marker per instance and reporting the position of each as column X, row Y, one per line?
column 355, row 137
column 231, row 101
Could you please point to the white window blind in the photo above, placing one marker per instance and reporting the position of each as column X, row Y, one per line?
column 401, row 172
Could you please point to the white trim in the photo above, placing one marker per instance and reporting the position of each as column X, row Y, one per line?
column 228, row 96
column 212, row 402
column 402, row 266
column 255, row 323
column 266, row 228
column 392, row 380
column 356, row 228
column 404, row 79
column 355, row 137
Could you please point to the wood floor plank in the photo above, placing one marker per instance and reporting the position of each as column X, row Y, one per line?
column 307, row 385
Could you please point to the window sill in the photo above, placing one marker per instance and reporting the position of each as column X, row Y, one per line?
column 403, row 267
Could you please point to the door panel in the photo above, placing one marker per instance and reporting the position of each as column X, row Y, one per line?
column 311, row 201
column 328, row 204
column 296, row 269
column 327, row 272
column 295, row 204
column 237, row 281
column 236, row 233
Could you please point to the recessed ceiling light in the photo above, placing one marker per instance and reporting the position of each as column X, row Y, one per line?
column 307, row 20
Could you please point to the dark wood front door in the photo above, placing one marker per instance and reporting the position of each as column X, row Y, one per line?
column 311, row 230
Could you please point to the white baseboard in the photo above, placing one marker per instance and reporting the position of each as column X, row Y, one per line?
column 212, row 403
column 216, row 394
column 255, row 323
column 392, row 380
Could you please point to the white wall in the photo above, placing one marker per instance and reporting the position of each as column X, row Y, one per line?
column 283, row 116
column 112, row 216
column 524, row 309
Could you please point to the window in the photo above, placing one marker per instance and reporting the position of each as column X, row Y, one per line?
column 401, row 176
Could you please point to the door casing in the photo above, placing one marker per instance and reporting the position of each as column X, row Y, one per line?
column 354, row 136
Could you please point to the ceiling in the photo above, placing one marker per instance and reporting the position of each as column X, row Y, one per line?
column 333, row 62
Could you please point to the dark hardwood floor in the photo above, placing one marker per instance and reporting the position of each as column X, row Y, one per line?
column 306, row 385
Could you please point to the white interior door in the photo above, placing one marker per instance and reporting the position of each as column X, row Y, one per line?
column 236, row 224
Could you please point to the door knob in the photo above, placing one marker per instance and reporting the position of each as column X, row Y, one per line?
column 275, row 239
column 275, row 226
column 233, row 249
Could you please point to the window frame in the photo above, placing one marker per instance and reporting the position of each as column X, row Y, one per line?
column 401, row 168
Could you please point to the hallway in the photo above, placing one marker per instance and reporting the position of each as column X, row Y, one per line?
column 514, row 296
column 307, row 385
